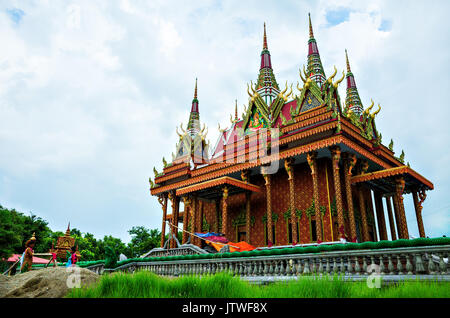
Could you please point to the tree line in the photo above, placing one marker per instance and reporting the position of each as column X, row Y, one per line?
column 16, row 228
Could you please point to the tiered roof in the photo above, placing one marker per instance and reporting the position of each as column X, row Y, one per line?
column 314, row 69
column 192, row 145
column 352, row 101
column 266, row 84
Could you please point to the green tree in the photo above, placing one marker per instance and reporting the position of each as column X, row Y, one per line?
column 10, row 239
column 142, row 241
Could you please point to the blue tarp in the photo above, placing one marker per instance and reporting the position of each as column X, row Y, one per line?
column 208, row 234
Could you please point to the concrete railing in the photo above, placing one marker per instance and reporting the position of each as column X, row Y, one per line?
column 97, row 268
column 388, row 261
column 185, row 249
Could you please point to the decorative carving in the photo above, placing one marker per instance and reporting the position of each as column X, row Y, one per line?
column 187, row 201
column 311, row 157
column 336, row 156
column 244, row 175
column 225, row 192
column 422, row 197
column 364, row 166
column 288, row 166
column 352, row 162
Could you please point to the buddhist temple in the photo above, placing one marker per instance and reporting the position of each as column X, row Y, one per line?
column 64, row 245
column 301, row 165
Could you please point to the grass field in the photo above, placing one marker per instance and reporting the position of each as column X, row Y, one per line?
column 144, row 284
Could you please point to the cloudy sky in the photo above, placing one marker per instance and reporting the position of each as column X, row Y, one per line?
column 91, row 92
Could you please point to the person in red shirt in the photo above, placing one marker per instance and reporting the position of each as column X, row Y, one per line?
column 74, row 257
column 52, row 260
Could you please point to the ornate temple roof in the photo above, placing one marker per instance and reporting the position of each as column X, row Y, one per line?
column 192, row 144
column 352, row 100
column 314, row 68
column 266, row 85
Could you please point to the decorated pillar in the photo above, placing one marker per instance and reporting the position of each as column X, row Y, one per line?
column 193, row 214
column 187, row 206
column 391, row 218
column 216, row 211
column 288, row 164
column 269, row 209
column 362, row 208
column 247, row 216
column 397, row 216
column 349, row 163
column 380, row 215
column 418, row 207
column 400, row 187
column 335, row 157
column 311, row 157
column 172, row 199
column 163, row 201
column 224, row 211
column 372, row 214
column 200, row 218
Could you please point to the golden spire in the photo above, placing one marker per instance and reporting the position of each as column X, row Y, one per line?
column 235, row 112
column 33, row 237
column 265, row 38
column 346, row 59
column 195, row 91
column 68, row 230
column 311, row 34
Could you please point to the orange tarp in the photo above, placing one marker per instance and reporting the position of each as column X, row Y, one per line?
column 239, row 247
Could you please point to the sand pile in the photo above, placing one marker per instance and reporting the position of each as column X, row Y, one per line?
column 45, row 283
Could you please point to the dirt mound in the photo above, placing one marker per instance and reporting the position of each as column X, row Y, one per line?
column 46, row 283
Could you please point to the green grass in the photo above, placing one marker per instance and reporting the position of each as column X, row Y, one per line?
column 144, row 284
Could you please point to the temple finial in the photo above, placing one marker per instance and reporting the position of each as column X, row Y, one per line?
column 265, row 38
column 311, row 34
column 68, row 230
column 195, row 90
column 235, row 112
column 346, row 59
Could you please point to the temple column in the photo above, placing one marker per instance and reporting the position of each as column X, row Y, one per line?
column 380, row 216
column 397, row 216
column 163, row 201
column 224, row 211
column 173, row 230
column 400, row 187
column 247, row 215
column 187, row 206
column 349, row 163
column 311, row 157
column 336, row 156
column 193, row 214
column 391, row 218
column 216, row 211
column 372, row 213
column 362, row 208
column 199, row 221
column 290, row 171
column 418, row 208
column 269, row 209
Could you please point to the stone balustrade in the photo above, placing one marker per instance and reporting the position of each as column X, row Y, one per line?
column 185, row 249
column 97, row 268
column 398, row 261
